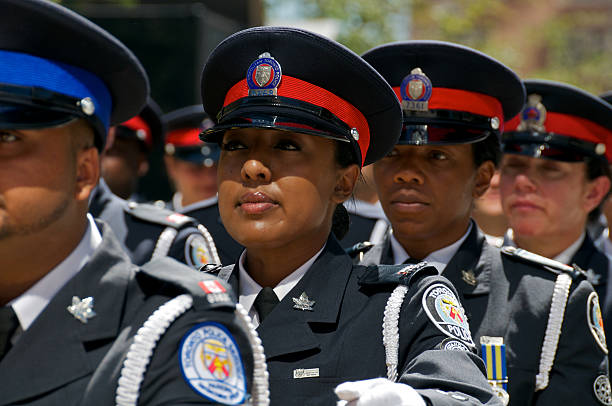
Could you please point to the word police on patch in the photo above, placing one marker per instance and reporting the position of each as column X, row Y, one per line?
column 211, row 364
column 446, row 312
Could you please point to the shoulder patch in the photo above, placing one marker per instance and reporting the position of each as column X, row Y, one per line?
column 545, row 263
column 211, row 364
column 159, row 215
column 395, row 274
column 197, row 252
column 452, row 344
column 446, row 313
column 596, row 321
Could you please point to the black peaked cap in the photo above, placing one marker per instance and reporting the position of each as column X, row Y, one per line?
column 185, row 117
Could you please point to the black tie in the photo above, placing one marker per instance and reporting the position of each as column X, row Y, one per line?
column 8, row 325
column 265, row 301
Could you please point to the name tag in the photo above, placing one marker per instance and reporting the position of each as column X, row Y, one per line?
column 305, row 373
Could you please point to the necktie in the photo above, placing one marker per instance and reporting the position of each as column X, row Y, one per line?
column 8, row 325
column 265, row 301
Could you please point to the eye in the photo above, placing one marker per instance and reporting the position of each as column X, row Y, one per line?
column 287, row 145
column 7, row 137
column 438, row 155
column 392, row 153
column 232, row 145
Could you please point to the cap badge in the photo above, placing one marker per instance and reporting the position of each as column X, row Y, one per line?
column 416, row 91
column 263, row 76
column 533, row 115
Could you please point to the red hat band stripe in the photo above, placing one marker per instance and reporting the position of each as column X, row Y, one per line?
column 298, row 89
column 137, row 123
column 463, row 100
column 572, row 126
column 184, row 137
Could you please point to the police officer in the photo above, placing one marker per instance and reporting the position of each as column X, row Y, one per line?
column 126, row 157
column 192, row 167
column 529, row 314
column 297, row 115
column 555, row 174
column 72, row 303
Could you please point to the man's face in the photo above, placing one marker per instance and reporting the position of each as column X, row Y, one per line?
column 543, row 197
column 38, row 177
column 123, row 163
column 427, row 191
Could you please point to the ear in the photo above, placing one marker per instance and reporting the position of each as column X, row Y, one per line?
column 169, row 161
column 484, row 173
column 143, row 167
column 88, row 172
column 345, row 183
column 596, row 191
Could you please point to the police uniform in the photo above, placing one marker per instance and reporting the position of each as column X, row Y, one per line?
column 183, row 142
column 148, row 231
column 541, row 347
column 137, row 332
column 367, row 223
column 326, row 329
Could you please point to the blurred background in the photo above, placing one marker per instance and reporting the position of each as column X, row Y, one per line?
column 564, row 40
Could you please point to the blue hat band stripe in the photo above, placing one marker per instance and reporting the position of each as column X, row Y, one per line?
column 27, row 70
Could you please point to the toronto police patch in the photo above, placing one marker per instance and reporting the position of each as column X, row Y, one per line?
column 263, row 76
column 211, row 364
column 446, row 313
column 197, row 252
column 596, row 321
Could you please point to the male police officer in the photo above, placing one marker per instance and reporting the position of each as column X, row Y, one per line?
column 555, row 174
column 455, row 101
column 192, row 167
column 72, row 302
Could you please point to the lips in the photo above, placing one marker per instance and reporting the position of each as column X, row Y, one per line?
column 256, row 203
column 524, row 205
column 409, row 201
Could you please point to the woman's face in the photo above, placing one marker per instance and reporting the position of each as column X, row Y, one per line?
column 278, row 188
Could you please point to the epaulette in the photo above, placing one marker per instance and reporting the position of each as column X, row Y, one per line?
column 551, row 265
column 169, row 277
column 395, row 274
column 359, row 248
column 159, row 215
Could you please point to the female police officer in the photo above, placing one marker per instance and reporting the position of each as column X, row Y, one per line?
column 296, row 116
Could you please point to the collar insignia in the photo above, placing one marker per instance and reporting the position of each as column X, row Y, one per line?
column 533, row 115
column 82, row 310
column 303, row 303
column 469, row 277
column 416, row 91
column 263, row 76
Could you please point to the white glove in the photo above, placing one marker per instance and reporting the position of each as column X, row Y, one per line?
column 377, row 392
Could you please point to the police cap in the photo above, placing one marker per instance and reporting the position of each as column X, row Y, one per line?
column 147, row 127
column 450, row 94
column 560, row 122
column 56, row 66
column 295, row 80
column 182, row 137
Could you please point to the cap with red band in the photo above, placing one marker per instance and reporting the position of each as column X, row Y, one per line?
column 146, row 127
column 560, row 122
column 291, row 79
column 450, row 94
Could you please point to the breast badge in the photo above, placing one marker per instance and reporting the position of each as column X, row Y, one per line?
column 601, row 386
column 446, row 312
column 211, row 364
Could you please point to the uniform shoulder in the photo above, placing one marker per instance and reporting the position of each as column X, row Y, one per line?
column 359, row 249
column 538, row 261
column 385, row 275
column 159, row 215
column 166, row 276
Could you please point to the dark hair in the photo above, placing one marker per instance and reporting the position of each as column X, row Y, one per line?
column 341, row 220
column 487, row 150
column 596, row 167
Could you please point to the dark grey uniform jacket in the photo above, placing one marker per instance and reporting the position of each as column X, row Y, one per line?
column 53, row 361
column 342, row 337
column 139, row 226
column 511, row 299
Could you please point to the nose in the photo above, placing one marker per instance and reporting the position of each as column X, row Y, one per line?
column 409, row 172
column 523, row 183
column 253, row 170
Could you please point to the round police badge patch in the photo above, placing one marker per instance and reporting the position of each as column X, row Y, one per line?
column 601, row 386
column 451, row 344
column 596, row 321
column 211, row 364
column 197, row 252
column 446, row 313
